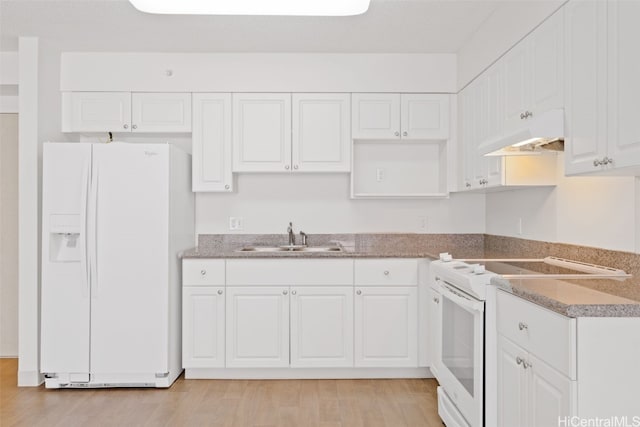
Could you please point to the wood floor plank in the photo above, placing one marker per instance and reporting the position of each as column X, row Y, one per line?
column 224, row 403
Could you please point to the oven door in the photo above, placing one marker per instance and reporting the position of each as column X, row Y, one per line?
column 460, row 351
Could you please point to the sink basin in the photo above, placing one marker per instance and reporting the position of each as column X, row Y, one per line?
column 291, row 249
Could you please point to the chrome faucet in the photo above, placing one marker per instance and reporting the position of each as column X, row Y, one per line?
column 292, row 236
column 304, row 238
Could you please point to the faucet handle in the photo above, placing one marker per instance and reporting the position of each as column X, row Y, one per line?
column 290, row 228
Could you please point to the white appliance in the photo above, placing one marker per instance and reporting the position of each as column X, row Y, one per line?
column 114, row 218
column 460, row 290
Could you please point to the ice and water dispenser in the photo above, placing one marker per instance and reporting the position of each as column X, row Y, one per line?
column 64, row 238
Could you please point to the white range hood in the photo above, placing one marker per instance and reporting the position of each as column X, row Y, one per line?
column 535, row 133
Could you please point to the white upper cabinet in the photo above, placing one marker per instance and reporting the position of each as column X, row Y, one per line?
column 161, row 112
column 261, row 132
column 623, row 58
column 534, row 73
column 406, row 116
column 321, row 132
column 96, row 112
column 211, row 142
column 126, row 112
column 376, row 116
column 585, row 85
column 424, row 116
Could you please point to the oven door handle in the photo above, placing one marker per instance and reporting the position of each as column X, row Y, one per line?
column 465, row 301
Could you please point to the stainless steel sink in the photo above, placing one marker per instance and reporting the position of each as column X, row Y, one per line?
column 291, row 249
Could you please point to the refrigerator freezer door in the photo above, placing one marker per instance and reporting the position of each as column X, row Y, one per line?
column 128, row 248
column 65, row 281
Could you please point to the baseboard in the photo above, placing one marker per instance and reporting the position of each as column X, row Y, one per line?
column 30, row 378
column 305, row 373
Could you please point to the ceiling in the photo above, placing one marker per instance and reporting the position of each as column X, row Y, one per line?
column 390, row 26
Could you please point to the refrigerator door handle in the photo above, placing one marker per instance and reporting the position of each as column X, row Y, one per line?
column 93, row 231
column 84, row 262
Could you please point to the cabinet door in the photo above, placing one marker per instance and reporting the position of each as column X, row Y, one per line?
column 96, row 112
column 424, row 116
column 375, row 116
column 211, row 142
column 512, row 385
column 257, row 327
column 321, row 132
column 203, row 327
column 516, row 84
column 261, row 132
column 161, row 112
column 386, row 322
column 547, row 65
column 585, row 85
column 551, row 394
column 624, row 87
column 322, row 326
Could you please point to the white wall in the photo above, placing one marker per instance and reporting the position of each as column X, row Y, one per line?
column 8, row 235
column 591, row 211
column 320, row 204
column 508, row 24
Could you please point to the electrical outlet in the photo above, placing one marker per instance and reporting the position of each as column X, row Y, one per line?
column 235, row 223
column 422, row 223
column 379, row 174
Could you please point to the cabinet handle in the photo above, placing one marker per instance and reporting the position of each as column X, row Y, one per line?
column 397, row 133
column 436, row 300
column 358, row 292
column 285, row 292
column 522, row 326
column 203, row 272
column 293, row 292
column 295, row 166
column 405, row 133
column 226, row 187
column 126, row 126
column 134, row 126
column 220, row 292
column 286, row 167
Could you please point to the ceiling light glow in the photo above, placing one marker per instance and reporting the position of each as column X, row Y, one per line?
column 254, row 7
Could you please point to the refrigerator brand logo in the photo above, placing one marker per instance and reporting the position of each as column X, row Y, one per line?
column 150, row 153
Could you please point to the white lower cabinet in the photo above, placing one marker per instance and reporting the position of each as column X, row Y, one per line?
column 257, row 326
column 322, row 326
column 530, row 392
column 386, row 319
column 203, row 326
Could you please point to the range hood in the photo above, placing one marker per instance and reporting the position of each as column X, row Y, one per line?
column 539, row 134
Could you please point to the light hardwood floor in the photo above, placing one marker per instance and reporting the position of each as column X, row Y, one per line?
column 340, row 403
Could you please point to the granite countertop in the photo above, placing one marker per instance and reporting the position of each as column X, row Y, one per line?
column 353, row 246
column 578, row 297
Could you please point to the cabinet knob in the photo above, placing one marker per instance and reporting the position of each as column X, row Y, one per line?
column 126, row 126
column 226, row 187
column 386, row 272
column 397, row 133
column 528, row 114
column 220, row 292
column 293, row 292
column 358, row 292
column 607, row 161
column 405, row 133
column 436, row 300
column 597, row 163
column 295, row 166
column 134, row 126
column 203, row 272
column 521, row 116
column 519, row 360
column 522, row 326
column 285, row 292
column 286, row 167
column 467, row 185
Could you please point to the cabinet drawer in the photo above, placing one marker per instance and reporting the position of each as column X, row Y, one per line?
column 386, row 272
column 289, row 272
column 203, row 272
column 548, row 335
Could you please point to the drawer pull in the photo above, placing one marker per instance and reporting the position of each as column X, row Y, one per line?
column 359, row 292
column 285, row 292
column 522, row 326
column 203, row 272
column 526, row 364
column 436, row 300
column 220, row 292
column 386, row 272
column 519, row 360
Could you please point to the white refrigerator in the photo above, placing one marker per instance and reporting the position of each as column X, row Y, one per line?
column 114, row 219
